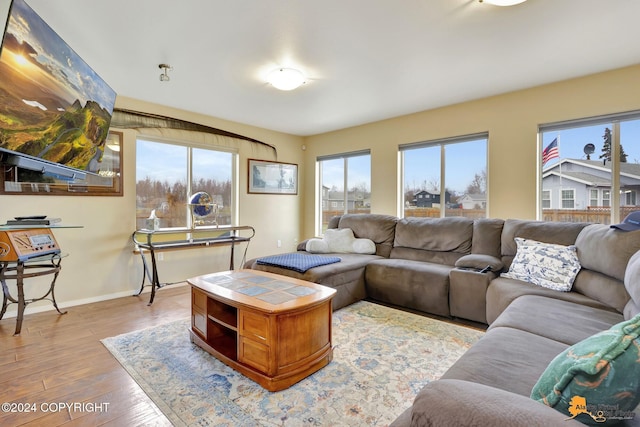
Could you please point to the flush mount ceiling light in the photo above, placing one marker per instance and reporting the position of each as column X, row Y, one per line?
column 502, row 2
column 164, row 77
column 286, row 78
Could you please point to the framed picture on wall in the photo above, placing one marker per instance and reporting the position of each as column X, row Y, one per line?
column 272, row 177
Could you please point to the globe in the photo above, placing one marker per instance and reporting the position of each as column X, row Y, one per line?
column 201, row 204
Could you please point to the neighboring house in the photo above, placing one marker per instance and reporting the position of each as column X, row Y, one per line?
column 584, row 184
column 334, row 200
column 473, row 201
column 426, row 199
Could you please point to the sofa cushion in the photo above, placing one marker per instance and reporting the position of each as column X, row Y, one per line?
column 541, row 315
column 452, row 234
column 415, row 285
column 506, row 358
column 632, row 285
column 631, row 309
column 561, row 233
column 463, row 403
column 502, row 291
column 486, row 236
column 607, row 250
column 379, row 228
column 603, row 369
column 544, row 264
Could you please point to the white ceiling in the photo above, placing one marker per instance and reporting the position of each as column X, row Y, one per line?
column 366, row 60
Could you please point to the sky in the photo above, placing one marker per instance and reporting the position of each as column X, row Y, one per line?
column 168, row 162
column 572, row 142
column 462, row 162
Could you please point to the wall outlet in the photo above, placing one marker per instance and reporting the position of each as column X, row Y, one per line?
column 279, row 243
column 160, row 256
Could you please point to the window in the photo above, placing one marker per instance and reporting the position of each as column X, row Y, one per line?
column 167, row 174
column 351, row 171
column 445, row 177
column 630, row 198
column 594, row 164
column 593, row 199
column 546, row 199
column 568, row 199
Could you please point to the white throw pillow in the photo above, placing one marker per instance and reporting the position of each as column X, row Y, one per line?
column 544, row 264
column 317, row 246
column 364, row 246
column 339, row 239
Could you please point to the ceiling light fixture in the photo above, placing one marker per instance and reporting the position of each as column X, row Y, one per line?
column 502, row 2
column 164, row 77
column 113, row 143
column 286, row 78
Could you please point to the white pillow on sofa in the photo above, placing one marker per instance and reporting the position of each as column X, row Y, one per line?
column 364, row 246
column 544, row 264
column 340, row 240
column 317, row 246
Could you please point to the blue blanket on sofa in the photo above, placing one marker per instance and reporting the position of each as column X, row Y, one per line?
column 297, row 262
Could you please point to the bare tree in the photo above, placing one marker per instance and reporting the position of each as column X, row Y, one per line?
column 479, row 183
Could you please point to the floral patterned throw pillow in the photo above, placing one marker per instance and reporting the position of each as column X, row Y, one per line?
column 544, row 264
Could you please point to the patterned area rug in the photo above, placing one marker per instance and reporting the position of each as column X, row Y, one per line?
column 382, row 358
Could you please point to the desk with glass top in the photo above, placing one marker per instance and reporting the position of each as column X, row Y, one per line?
column 184, row 238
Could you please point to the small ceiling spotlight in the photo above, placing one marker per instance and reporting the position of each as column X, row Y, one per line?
column 502, row 2
column 164, row 77
column 286, row 78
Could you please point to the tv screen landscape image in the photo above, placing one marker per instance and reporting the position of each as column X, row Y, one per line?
column 53, row 106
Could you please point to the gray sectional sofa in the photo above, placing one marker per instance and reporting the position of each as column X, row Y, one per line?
column 451, row 267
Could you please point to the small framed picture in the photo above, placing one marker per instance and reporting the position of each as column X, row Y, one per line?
column 272, row 177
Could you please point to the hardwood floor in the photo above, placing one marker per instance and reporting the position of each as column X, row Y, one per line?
column 59, row 360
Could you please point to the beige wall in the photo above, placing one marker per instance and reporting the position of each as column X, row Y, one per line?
column 512, row 122
column 101, row 263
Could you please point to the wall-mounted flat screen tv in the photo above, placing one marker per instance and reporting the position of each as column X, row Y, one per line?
column 55, row 110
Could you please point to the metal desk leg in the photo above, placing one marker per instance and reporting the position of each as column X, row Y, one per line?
column 53, row 284
column 231, row 266
column 155, row 283
column 21, row 302
column 19, row 278
column 152, row 276
column 5, row 290
column 145, row 273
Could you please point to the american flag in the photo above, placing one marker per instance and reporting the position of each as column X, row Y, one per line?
column 551, row 152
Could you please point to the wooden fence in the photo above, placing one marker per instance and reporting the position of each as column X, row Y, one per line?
column 600, row 215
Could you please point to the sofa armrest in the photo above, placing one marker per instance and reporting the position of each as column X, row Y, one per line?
column 479, row 262
column 468, row 294
column 463, row 403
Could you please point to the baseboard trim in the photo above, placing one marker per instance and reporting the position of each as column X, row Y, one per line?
column 44, row 305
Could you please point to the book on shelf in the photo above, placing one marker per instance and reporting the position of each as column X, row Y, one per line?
column 44, row 221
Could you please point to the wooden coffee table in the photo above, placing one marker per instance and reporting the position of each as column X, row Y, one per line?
column 273, row 329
